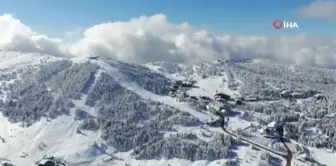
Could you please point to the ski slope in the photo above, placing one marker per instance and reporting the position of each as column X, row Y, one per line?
column 212, row 85
column 61, row 138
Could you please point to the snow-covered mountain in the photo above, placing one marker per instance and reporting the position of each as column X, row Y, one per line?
column 99, row 111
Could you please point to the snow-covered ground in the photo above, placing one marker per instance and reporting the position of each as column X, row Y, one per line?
column 61, row 137
column 158, row 69
column 17, row 60
column 58, row 137
column 324, row 156
column 210, row 86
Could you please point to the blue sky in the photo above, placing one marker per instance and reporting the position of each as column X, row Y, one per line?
column 241, row 17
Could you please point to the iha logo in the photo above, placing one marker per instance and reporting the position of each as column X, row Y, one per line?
column 278, row 24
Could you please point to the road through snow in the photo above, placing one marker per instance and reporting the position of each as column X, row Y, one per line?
column 288, row 156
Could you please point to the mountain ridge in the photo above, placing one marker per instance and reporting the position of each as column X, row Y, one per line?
column 120, row 110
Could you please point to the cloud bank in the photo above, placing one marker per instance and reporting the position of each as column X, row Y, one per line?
column 154, row 38
column 322, row 9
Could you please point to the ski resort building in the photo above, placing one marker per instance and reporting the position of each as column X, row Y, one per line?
column 174, row 88
column 251, row 98
column 272, row 129
column 187, row 83
column 222, row 97
column 46, row 162
column 181, row 96
column 172, row 94
column 285, row 93
column 193, row 98
column 50, row 161
column 216, row 107
column 296, row 95
column 205, row 98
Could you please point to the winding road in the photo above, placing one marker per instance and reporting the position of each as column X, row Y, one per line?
column 288, row 156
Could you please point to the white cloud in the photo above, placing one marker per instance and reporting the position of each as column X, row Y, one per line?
column 321, row 9
column 15, row 36
column 74, row 35
column 154, row 38
column 11, row 28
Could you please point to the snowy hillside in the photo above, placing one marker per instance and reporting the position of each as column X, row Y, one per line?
column 99, row 111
